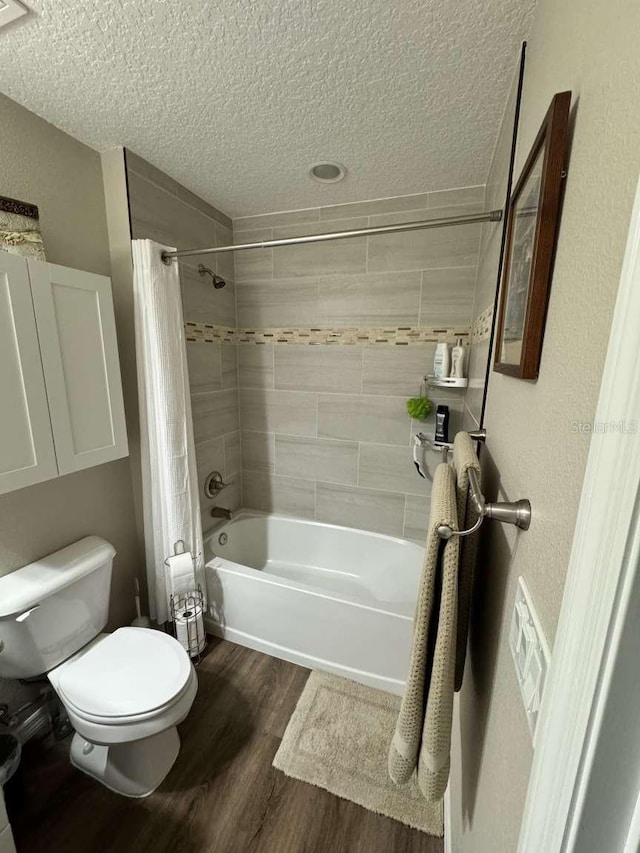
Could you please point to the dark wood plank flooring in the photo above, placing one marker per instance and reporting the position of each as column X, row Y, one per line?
column 222, row 794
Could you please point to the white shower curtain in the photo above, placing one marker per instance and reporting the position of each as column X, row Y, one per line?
column 169, row 476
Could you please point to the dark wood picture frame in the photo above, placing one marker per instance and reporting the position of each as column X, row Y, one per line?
column 547, row 154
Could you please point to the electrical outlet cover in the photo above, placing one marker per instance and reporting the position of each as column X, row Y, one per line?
column 531, row 655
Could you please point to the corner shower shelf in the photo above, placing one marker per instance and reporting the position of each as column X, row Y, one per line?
column 446, row 382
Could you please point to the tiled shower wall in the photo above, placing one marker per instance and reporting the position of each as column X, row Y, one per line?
column 325, row 434
column 313, row 351
column 163, row 210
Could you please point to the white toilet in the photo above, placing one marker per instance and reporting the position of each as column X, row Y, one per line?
column 125, row 692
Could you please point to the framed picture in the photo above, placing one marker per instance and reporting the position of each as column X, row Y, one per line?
column 532, row 226
column 20, row 229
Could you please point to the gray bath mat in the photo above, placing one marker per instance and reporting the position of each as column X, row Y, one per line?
column 338, row 739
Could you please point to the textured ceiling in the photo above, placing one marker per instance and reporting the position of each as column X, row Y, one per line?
column 236, row 98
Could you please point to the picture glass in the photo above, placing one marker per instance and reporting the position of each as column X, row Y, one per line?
column 525, row 217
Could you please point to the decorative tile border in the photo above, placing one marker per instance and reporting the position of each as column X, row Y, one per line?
column 353, row 336
column 481, row 329
column 209, row 334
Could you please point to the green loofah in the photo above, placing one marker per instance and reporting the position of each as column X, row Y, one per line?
column 419, row 408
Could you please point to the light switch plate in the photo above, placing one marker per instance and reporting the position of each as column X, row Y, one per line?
column 531, row 655
column 10, row 10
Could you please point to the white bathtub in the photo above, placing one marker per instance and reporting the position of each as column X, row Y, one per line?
column 319, row 595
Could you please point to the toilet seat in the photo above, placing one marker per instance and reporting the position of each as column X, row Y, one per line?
column 127, row 676
column 129, row 719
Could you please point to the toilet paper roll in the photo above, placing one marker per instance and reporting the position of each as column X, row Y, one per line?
column 180, row 575
column 190, row 630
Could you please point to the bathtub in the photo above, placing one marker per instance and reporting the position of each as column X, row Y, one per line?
column 319, row 595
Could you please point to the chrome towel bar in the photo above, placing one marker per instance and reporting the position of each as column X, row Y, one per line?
column 517, row 513
column 507, row 512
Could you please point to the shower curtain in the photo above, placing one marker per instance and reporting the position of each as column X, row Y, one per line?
column 169, row 476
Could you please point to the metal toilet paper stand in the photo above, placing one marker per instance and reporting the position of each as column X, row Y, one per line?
column 187, row 610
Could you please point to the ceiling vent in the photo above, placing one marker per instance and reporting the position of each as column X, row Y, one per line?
column 10, row 10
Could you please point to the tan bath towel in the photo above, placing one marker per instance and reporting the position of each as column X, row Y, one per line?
column 422, row 737
column 464, row 458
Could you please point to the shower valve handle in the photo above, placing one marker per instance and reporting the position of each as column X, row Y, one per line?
column 214, row 484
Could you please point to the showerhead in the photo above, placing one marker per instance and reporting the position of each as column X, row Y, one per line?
column 218, row 281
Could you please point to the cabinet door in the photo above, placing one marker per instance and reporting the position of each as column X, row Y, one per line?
column 26, row 444
column 76, row 328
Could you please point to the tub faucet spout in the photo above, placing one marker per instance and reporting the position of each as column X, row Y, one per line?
column 221, row 512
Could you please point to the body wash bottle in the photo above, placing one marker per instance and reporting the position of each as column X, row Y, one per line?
column 458, row 354
column 441, row 361
column 442, row 425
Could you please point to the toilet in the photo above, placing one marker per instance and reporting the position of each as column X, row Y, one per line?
column 124, row 692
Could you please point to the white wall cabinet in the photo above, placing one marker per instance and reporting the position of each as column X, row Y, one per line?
column 60, row 382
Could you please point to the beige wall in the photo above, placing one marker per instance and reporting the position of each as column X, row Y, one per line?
column 40, row 164
column 325, row 433
column 589, row 48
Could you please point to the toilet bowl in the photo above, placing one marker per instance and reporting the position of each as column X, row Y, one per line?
column 125, row 693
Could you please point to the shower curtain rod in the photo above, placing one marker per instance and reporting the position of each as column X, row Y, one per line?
column 468, row 219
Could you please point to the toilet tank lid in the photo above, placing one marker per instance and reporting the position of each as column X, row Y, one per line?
column 28, row 586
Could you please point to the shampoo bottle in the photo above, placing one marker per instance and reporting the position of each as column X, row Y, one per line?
column 458, row 354
column 441, row 361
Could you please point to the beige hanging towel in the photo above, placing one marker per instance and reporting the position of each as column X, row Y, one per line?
column 464, row 458
column 422, row 736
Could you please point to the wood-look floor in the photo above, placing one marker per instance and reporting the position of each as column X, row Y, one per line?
column 222, row 794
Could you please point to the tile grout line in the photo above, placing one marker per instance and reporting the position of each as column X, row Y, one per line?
column 272, row 259
column 275, row 467
column 273, row 367
column 366, row 253
column 404, row 517
column 235, row 309
column 371, row 201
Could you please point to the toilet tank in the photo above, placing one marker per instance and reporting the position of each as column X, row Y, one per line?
column 52, row 608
